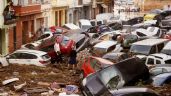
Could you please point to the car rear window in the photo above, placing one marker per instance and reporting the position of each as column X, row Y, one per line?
column 168, row 61
column 46, row 56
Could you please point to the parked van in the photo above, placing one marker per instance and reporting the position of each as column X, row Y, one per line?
column 148, row 46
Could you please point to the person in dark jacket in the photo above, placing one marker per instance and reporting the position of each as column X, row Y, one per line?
column 72, row 58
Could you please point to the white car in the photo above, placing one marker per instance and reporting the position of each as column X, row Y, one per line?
column 28, row 57
column 107, row 46
column 157, row 58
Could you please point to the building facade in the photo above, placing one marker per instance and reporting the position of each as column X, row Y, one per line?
column 147, row 5
column 32, row 16
column 59, row 12
column 7, row 27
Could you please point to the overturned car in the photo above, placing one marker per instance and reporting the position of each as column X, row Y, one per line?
column 114, row 76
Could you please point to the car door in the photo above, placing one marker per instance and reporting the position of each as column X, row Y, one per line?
column 14, row 58
column 150, row 61
column 29, row 59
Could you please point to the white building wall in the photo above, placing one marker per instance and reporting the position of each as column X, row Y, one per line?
column 3, row 3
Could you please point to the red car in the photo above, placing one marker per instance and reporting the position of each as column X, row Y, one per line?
column 65, row 44
column 93, row 64
column 57, row 29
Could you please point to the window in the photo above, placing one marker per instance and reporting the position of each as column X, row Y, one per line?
column 143, row 60
column 160, row 47
column 150, row 61
column 95, row 64
column 65, row 40
column 80, row 42
column 158, row 62
column 28, row 56
column 30, row 46
column 111, row 48
column 43, row 36
column 153, row 50
column 105, row 37
column 15, row 56
column 168, row 61
column 157, row 71
column 47, row 48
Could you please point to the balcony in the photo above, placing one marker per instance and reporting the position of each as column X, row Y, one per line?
column 27, row 10
column 86, row 2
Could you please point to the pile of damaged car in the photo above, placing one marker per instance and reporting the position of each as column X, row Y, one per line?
column 122, row 57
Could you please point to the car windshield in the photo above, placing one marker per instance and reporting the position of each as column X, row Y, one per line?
column 109, row 76
column 86, row 26
column 30, row 46
column 131, row 37
column 65, row 40
column 142, row 49
column 166, row 51
column 59, row 30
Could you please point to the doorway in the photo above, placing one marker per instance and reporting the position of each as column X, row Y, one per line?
column 25, row 32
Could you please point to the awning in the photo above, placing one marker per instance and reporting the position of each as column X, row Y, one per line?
column 104, row 5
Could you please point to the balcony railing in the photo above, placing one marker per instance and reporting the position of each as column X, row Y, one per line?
column 29, row 2
column 27, row 10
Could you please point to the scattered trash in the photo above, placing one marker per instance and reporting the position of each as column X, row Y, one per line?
column 52, row 73
column 43, row 83
column 4, row 94
column 49, row 93
column 15, row 73
column 64, row 94
column 2, row 69
column 57, row 86
column 24, row 94
column 9, row 81
column 3, row 61
column 18, row 87
column 71, row 89
column 34, row 73
column 35, row 90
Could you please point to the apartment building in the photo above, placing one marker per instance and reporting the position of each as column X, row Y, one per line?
column 7, row 27
column 32, row 16
column 59, row 12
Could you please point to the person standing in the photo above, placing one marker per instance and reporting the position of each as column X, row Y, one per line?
column 58, row 53
column 72, row 58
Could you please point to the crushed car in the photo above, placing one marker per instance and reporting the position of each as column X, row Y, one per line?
column 106, row 46
column 114, row 77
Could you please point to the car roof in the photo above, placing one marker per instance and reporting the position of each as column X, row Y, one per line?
column 72, row 26
column 127, row 90
column 167, row 46
column 164, row 75
column 150, row 42
column 104, row 61
column 35, row 52
column 162, row 65
column 105, row 44
column 162, row 56
column 85, row 22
